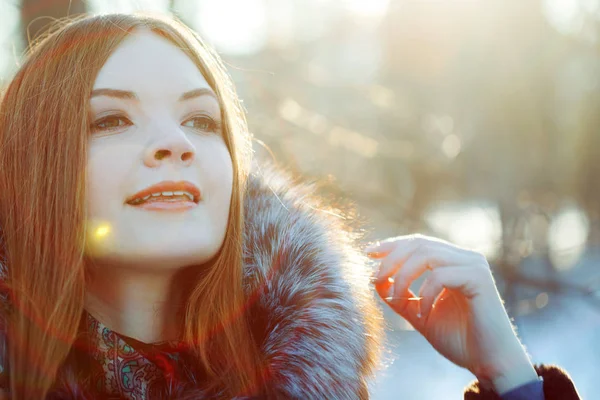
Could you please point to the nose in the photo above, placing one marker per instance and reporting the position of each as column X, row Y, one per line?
column 173, row 149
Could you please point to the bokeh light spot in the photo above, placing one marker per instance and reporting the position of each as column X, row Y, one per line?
column 541, row 300
column 102, row 231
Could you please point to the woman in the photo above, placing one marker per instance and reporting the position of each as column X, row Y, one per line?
column 144, row 257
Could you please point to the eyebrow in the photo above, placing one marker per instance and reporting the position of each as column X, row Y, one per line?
column 128, row 95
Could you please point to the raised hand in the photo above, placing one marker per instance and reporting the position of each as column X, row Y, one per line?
column 458, row 308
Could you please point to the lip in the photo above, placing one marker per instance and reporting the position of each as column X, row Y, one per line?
column 168, row 206
column 168, row 186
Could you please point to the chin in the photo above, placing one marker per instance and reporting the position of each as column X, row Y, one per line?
column 180, row 252
column 166, row 262
column 147, row 245
column 165, row 254
column 154, row 260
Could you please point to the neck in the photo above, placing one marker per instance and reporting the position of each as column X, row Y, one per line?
column 136, row 303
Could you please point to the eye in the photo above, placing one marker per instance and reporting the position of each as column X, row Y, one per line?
column 110, row 123
column 203, row 123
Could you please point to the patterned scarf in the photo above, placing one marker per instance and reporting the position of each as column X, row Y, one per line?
column 131, row 369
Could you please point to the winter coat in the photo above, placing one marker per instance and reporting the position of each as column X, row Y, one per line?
column 314, row 315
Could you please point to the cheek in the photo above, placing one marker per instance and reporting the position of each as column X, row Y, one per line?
column 104, row 174
column 216, row 176
column 217, row 169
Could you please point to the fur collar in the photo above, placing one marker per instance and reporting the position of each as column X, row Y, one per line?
column 313, row 311
column 322, row 326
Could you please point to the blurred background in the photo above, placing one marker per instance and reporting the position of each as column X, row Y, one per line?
column 477, row 121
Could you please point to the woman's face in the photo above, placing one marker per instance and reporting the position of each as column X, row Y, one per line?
column 156, row 121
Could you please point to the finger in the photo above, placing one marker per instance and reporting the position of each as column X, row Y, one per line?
column 381, row 248
column 404, row 247
column 390, row 264
column 433, row 255
column 394, row 260
column 421, row 261
column 430, row 292
column 406, row 305
column 389, row 243
column 466, row 280
column 383, row 289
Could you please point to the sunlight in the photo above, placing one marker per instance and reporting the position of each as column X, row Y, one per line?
column 102, row 231
column 473, row 226
column 567, row 237
column 112, row 6
column 567, row 16
column 233, row 26
column 100, row 237
column 9, row 17
column 562, row 14
column 367, row 8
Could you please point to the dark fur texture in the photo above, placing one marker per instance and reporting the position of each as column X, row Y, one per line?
column 311, row 285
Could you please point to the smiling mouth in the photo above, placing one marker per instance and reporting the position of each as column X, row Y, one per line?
column 167, row 195
column 164, row 197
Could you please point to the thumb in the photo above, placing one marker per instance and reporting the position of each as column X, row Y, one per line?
column 380, row 249
column 406, row 304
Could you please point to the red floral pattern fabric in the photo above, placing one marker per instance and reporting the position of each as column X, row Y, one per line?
column 131, row 369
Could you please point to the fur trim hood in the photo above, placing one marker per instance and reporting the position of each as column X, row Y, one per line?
column 312, row 311
column 322, row 325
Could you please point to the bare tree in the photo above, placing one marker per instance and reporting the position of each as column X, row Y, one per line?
column 589, row 167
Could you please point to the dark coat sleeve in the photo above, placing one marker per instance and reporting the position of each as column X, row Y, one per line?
column 557, row 386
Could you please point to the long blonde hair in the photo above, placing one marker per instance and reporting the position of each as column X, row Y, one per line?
column 44, row 129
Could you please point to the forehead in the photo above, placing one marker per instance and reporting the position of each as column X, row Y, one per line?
column 148, row 64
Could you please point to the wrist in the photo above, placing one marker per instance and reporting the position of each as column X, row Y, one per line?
column 518, row 376
column 507, row 375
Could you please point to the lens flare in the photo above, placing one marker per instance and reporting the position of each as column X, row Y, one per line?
column 102, row 231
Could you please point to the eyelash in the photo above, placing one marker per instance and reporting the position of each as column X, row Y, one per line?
column 213, row 126
column 96, row 128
